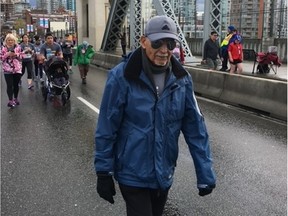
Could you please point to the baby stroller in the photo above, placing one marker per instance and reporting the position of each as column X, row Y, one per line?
column 56, row 79
column 267, row 61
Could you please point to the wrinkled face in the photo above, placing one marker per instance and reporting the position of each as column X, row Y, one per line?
column 159, row 52
column 25, row 39
column 49, row 40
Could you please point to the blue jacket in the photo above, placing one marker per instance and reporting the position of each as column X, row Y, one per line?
column 137, row 133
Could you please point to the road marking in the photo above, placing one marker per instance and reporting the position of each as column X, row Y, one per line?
column 89, row 104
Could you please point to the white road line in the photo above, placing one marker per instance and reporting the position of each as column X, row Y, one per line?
column 89, row 104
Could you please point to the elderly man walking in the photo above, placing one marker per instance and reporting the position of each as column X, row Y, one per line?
column 147, row 101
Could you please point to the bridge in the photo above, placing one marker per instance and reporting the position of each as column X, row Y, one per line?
column 99, row 23
column 104, row 35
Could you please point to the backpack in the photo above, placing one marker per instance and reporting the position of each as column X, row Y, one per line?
column 263, row 68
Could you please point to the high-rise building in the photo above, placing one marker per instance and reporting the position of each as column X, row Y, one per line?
column 7, row 9
column 54, row 5
column 42, row 4
column 184, row 10
column 50, row 5
column 71, row 5
column 280, row 20
column 63, row 3
column 245, row 15
column 259, row 18
column 186, row 13
column 20, row 5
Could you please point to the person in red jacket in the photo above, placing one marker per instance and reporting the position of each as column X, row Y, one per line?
column 235, row 52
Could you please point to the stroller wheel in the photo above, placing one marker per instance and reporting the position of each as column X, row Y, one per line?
column 68, row 92
column 44, row 91
column 64, row 97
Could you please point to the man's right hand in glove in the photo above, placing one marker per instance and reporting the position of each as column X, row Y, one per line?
column 105, row 186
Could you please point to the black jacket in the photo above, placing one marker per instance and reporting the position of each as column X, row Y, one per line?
column 211, row 50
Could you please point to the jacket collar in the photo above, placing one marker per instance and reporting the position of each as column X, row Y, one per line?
column 134, row 67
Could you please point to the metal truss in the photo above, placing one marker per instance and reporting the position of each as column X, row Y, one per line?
column 215, row 16
column 117, row 16
column 164, row 8
column 212, row 22
column 116, row 19
column 135, row 23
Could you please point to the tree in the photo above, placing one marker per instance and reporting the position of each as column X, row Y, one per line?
column 61, row 10
column 19, row 23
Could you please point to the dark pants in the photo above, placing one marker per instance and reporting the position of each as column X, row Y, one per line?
column 29, row 66
column 144, row 201
column 123, row 49
column 225, row 60
column 12, row 81
column 68, row 58
column 83, row 70
column 38, row 68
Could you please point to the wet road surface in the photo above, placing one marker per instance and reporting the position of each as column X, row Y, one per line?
column 47, row 159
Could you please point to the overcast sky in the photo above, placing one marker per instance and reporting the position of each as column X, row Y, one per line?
column 33, row 3
column 200, row 5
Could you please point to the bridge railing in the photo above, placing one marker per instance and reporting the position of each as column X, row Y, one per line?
column 196, row 46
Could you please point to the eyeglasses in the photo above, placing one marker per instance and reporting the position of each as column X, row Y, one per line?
column 171, row 44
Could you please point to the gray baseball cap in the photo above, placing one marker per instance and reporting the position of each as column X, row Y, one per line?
column 159, row 27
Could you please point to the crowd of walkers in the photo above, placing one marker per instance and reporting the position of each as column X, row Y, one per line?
column 31, row 54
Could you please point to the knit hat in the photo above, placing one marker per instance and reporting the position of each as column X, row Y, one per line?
column 159, row 27
column 231, row 28
column 85, row 44
column 238, row 37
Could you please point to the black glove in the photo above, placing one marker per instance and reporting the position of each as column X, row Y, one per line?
column 206, row 190
column 106, row 187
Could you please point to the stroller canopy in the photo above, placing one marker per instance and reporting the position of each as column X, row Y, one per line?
column 54, row 64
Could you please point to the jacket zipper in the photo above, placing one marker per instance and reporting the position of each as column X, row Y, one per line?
column 157, row 93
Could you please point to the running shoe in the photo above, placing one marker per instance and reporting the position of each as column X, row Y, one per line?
column 11, row 104
column 16, row 101
column 83, row 80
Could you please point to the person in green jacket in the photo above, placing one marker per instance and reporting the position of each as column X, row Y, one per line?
column 84, row 53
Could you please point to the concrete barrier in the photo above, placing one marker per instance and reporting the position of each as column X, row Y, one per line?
column 105, row 60
column 266, row 95
column 207, row 83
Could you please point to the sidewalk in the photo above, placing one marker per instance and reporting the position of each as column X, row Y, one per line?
column 248, row 68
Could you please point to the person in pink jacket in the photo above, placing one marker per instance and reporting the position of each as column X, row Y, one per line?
column 11, row 66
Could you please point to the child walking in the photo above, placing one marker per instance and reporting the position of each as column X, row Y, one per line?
column 235, row 52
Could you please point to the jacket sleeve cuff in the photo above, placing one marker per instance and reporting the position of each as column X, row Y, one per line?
column 104, row 173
